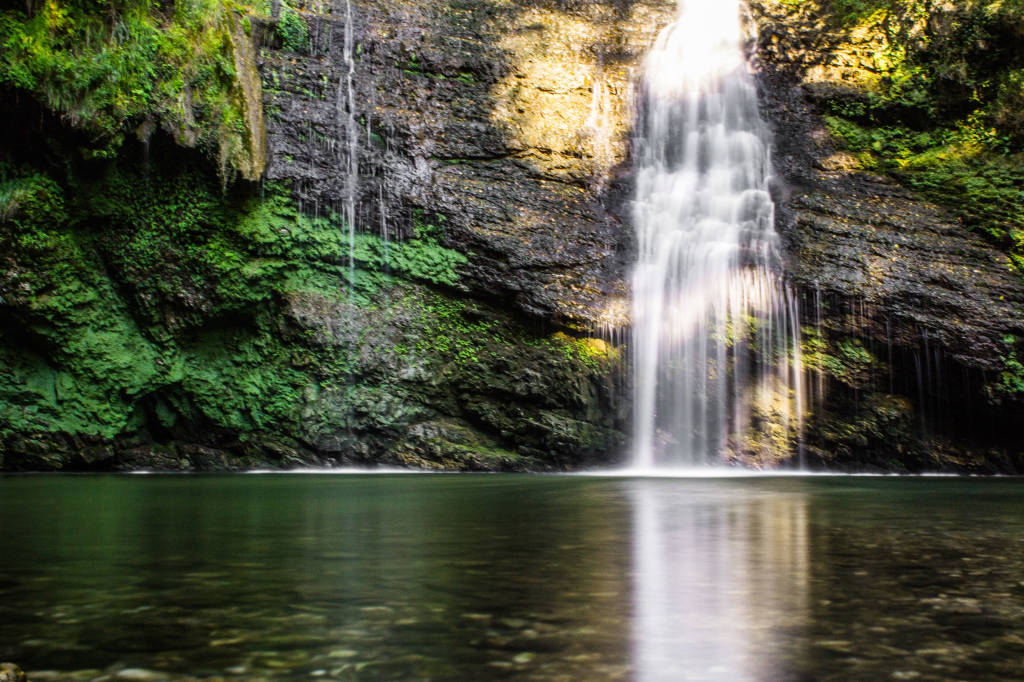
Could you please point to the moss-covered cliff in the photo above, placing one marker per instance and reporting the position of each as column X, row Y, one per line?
column 180, row 288
column 150, row 320
column 902, row 197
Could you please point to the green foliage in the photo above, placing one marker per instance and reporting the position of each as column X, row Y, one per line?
column 846, row 359
column 71, row 358
column 423, row 228
column 29, row 200
column 454, row 336
column 945, row 117
column 293, row 30
column 421, row 259
column 851, row 11
column 1011, row 379
column 146, row 297
column 173, row 235
column 987, row 191
column 107, row 67
column 156, row 217
column 243, row 379
column 591, row 352
column 942, row 68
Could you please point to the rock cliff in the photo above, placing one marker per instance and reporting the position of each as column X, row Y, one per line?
column 434, row 269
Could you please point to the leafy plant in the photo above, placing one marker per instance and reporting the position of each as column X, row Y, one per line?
column 293, row 30
column 1011, row 379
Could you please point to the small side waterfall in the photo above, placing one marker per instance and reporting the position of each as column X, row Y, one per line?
column 347, row 122
column 716, row 332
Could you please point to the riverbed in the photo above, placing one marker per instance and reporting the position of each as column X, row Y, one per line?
column 529, row 577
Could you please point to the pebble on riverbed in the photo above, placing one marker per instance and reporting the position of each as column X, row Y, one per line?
column 11, row 673
column 140, row 675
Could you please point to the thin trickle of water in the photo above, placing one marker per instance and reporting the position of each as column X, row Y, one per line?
column 888, row 345
column 819, row 324
column 716, row 328
column 347, row 122
column 383, row 211
column 920, row 393
column 600, row 124
column 796, row 378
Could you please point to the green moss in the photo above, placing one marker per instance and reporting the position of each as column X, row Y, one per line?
column 148, row 298
column 72, row 357
column 243, row 379
column 881, row 422
column 284, row 237
column 594, row 353
column 29, row 200
column 453, row 335
column 153, row 282
column 421, row 259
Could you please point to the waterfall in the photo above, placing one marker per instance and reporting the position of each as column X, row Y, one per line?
column 715, row 326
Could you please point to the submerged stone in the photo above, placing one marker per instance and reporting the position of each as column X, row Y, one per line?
column 9, row 672
column 141, row 675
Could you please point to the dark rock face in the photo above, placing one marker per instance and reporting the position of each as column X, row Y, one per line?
column 509, row 119
column 865, row 238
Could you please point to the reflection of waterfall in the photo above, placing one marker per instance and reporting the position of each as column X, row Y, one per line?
column 716, row 337
column 719, row 580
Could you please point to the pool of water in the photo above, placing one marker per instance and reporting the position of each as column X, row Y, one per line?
column 467, row 577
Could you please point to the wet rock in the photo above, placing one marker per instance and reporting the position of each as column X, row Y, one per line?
column 879, row 267
column 141, row 675
column 11, row 673
column 533, row 199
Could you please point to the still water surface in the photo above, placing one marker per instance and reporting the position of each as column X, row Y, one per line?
column 464, row 577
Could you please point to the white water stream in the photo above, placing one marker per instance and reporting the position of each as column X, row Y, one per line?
column 347, row 122
column 716, row 333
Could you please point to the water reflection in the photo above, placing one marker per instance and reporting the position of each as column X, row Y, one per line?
column 509, row 577
column 388, row 578
column 717, row 580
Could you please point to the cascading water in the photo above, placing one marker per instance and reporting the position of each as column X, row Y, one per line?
column 716, row 334
column 347, row 123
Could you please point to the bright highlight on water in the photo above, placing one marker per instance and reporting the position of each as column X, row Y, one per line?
column 716, row 332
